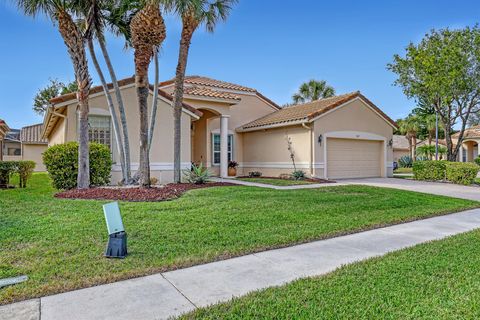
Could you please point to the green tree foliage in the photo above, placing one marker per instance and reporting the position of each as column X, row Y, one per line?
column 54, row 89
column 313, row 90
column 443, row 71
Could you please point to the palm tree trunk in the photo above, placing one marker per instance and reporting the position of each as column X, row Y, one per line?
column 111, row 107
column 153, row 116
column 76, row 49
column 142, row 60
column 121, row 110
column 186, row 37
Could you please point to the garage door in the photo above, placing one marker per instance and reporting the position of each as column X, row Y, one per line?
column 349, row 158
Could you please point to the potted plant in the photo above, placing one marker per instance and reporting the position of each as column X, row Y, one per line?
column 232, row 168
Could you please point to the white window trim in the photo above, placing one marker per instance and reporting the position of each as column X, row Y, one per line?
column 230, row 134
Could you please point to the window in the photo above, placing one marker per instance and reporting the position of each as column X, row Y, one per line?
column 216, row 148
column 14, row 152
column 99, row 130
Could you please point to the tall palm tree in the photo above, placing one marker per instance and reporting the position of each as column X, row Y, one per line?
column 148, row 32
column 193, row 14
column 410, row 127
column 61, row 12
column 313, row 90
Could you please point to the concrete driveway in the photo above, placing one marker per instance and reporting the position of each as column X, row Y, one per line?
column 443, row 189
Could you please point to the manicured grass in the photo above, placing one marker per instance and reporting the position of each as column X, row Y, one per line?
column 438, row 280
column 277, row 182
column 403, row 170
column 59, row 243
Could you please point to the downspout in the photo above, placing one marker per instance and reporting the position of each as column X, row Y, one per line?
column 311, row 147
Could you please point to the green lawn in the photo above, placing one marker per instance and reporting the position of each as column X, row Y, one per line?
column 403, row 170
column 438, row 280
column 276, row 182
column 59, row 243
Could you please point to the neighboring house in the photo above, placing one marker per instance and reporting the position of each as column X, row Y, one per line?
column 3, row 132
column 401, row 147
column 33, row 145
column 471, row 139
column 343, row 136
column 12, row 147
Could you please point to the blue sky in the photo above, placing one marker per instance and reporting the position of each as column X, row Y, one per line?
column 270, row 45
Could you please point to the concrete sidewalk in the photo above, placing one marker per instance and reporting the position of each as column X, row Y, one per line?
column 172, row 293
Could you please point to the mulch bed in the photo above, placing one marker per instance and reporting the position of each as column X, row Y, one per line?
column 314, row 180
column 135, row 194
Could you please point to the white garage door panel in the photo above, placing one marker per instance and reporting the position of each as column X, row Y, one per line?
column 349, row 158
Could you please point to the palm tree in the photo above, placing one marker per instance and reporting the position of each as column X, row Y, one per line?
column 193, row 14
column 148, row 32
column 410, row 127
column 313, row 90
column 61, row 12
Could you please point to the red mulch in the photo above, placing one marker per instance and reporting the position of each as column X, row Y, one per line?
column 167, row 192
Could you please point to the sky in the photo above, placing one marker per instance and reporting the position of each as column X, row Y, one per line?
column 270, row 45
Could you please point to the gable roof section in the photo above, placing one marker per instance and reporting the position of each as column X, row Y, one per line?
column 48, row 125
column 307, row 112
column 208, row 93
column 472, row 132
column 32, row 134
column 217, row 85
column 400, row 142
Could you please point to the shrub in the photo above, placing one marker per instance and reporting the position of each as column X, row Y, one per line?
column 429, row 170
column 7, row 168
column 462, row 172
column 197, row 174
column 298, row 175
column 61, row 161
column 25, row 170
column 255, row 174
column 477, row 161
column 405, row 162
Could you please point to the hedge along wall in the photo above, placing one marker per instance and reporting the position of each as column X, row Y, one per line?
column 24, row 169
column 456, row 172
column 61, row 161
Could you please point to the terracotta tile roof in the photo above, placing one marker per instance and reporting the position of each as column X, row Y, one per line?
column 308, row 111
column 121, row 83
column 33, row 134
column 217, row 85
column 472, row 132
column 400, row 142
column 205, row 92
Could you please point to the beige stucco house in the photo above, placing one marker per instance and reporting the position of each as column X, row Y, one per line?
column 401, row 147
column 469, row 150
column 339, row 137
column 3, row 132
column 33, row 145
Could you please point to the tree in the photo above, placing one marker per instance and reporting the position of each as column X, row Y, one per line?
column 410, row 127
column 55, row 88
column 444, row 71
column 148, row 33
column 61, row 13
column 193, row 14
column 313, row 90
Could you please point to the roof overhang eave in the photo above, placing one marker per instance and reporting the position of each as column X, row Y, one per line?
column 274, row 125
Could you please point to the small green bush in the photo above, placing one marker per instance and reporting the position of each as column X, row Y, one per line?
column 23, row 168
column 477, row 161
column 405, row 162
column 298, row 175
column 462, row 172
column 429, row 170
column 197, row 174
column 61, row 161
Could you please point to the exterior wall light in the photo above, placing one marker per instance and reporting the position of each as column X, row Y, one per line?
column 390, row 143
column 320, row 138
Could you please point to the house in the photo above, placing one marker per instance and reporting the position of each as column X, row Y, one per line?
column 12, row 147
column 341, row 137
column 3, row 132
column 33, row 145
column 469, row 150
column 401, row 147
